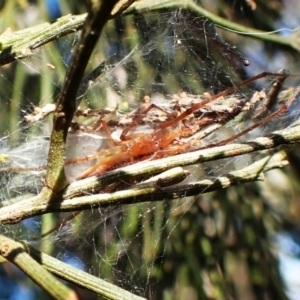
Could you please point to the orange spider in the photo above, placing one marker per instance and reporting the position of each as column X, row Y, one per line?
column 137, row 146
column 167, row 138
column 164, row 140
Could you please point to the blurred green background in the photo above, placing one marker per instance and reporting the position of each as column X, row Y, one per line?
column 221, row 245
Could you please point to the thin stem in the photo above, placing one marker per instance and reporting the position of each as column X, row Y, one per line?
column 19, row 45
column 66, row 104
column 28, row 208
column 291, row 41
column 30, row 258
column 14, row 252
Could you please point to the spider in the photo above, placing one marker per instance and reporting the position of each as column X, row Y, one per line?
column 169, row 138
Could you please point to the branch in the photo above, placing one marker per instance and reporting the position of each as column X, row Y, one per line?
column 291, row 41
column 66, row 104
column 19, row 45
column 156, row 193
column 15, row 253
column 35, row 263
column 99, row 286
column 73, row 200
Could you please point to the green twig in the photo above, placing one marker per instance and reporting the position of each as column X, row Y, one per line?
column 137, row 195
column 19, row 44
column 72, row 200
column 66, row 104
column 99, row 286
column 14, row 252
column 291, row 41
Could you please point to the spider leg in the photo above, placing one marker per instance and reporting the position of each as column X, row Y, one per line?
column 136, row 120
column 88, row 157
column 282, row 109
column 274, row 91
column 221, row 94
column 108, row 134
